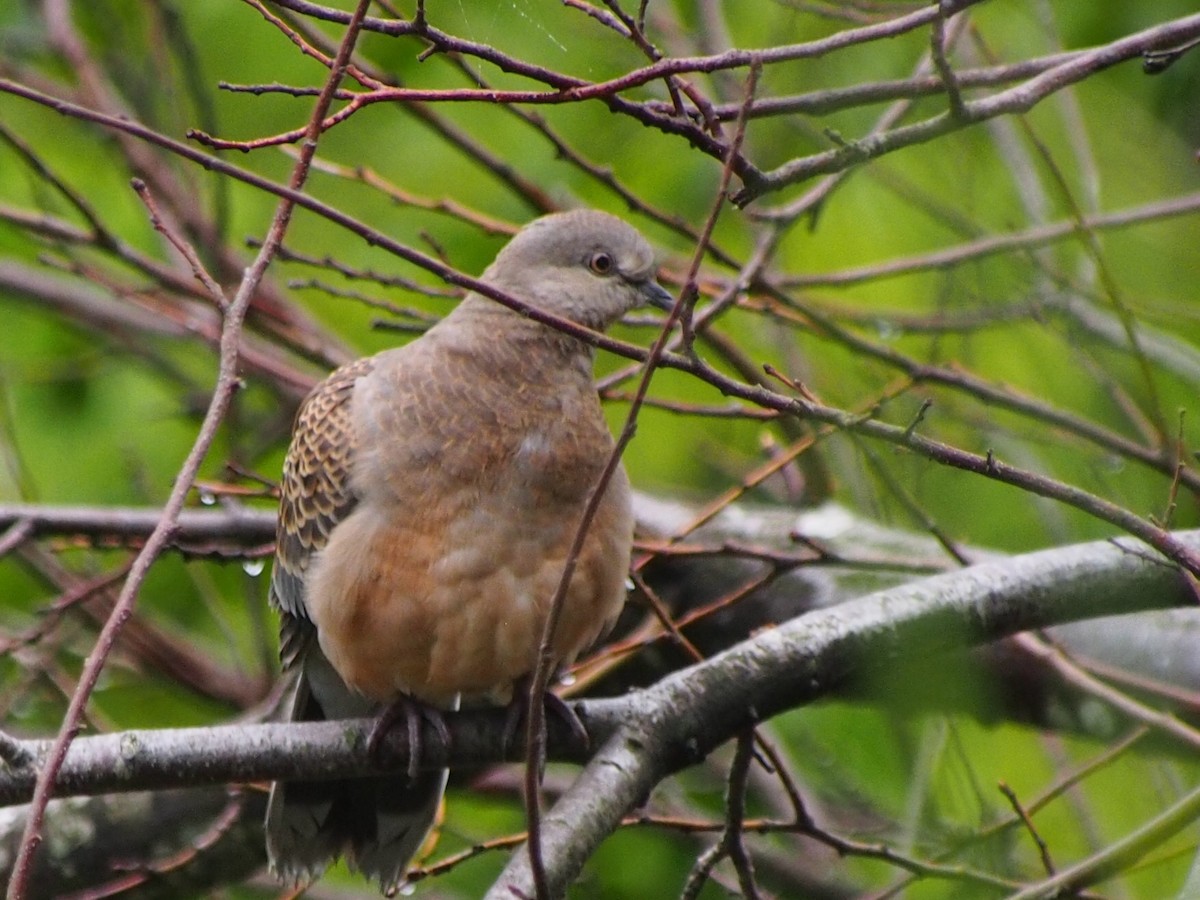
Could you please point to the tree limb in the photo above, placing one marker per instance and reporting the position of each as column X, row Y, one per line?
column 647, row 735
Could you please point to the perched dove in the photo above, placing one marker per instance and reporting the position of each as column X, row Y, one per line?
column 430, row 496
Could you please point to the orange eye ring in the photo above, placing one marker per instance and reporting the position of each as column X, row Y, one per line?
column 601, row 263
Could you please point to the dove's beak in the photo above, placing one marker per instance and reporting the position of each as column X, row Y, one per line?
column 656, row 295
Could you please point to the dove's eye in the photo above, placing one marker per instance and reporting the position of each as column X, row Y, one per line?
column 601, row 263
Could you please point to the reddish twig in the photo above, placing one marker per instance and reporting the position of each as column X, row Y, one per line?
column 535, row 732
column 733, row 838
column 216, row 294
column 1018, row 99
column 226, row 386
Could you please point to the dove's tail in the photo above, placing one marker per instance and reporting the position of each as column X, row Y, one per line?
column 380, row 823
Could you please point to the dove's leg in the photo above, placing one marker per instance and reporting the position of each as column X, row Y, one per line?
column 413, row 712
column 518, row 713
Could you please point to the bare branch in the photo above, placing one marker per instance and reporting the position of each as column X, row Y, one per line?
column 1017, row 99
column 676, row 718
column 227, row 384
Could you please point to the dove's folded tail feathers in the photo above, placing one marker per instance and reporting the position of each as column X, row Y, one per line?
column 380, row 822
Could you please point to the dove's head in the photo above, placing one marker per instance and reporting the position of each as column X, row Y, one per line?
column 585, row 265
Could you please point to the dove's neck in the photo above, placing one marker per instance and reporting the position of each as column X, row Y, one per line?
column 493, row 328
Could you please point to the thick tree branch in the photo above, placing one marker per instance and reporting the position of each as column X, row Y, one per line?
column 647, row 735
column 684, row 717
column 861, row 555
column 722, row 577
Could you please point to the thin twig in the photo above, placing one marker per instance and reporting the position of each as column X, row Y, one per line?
column 227, row 384
column 185, row 249
column 1075, row 675
column 535, row 735
column 1118, row 855
column 1043, row 850
column 1018, row 99
column 733, row 839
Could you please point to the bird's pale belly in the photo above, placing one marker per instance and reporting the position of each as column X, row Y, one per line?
column 443, row 609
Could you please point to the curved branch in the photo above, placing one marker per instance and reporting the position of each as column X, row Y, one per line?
column 1017, row 99
column 687, row 715
column 647, row 735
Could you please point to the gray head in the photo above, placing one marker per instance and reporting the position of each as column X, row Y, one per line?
column 585, row 265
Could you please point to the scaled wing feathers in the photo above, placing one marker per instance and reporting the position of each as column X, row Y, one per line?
column 315, row 496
